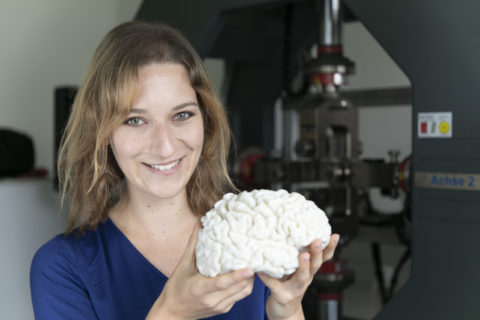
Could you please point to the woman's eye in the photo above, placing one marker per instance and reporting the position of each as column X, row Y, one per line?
column 183, row 115
column 134, row 122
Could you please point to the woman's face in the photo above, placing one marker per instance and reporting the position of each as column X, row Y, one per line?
column 159, row 144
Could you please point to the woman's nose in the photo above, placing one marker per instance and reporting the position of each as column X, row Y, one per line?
column 163, row 141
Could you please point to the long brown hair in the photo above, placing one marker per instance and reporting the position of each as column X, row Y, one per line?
column 89, row 178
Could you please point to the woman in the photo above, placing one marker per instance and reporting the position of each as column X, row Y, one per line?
column 143, row 157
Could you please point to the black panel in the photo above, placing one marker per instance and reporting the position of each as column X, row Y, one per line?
column 64, row 97
column 436, row 44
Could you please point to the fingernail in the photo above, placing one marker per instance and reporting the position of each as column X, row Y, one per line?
column 306, row 257
column 318, row 245
column 248, row 274
column 336, row 239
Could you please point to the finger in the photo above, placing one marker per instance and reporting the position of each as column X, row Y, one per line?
column 219, row 299
column 236, row 293
column 188, row 259
column 317, row 256
column 224, row 281
column 297, row 279
column 284, row 290
column 229, row 279
column 270, row 282
column 303, row 274
column 330, row 249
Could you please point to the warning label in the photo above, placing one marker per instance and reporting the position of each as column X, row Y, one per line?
column 435, row 125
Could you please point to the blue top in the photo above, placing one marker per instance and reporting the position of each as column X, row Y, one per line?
column 101, row 275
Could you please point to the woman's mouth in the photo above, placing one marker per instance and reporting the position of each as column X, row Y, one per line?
column 165, row 167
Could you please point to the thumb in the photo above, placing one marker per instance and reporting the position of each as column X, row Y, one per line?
column 188, row 258
column 268, row 281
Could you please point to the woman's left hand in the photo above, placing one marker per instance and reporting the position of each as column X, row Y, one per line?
column 287, row 293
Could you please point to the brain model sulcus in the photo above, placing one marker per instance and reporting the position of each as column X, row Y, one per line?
column 263, row 230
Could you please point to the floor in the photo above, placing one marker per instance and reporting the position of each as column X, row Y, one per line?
column 362, row 299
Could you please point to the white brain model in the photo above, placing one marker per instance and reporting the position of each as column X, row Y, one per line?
column 263, row 230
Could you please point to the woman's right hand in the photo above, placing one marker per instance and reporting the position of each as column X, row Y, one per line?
column 191, row 295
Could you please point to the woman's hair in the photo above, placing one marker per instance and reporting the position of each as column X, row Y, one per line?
column 88, row 174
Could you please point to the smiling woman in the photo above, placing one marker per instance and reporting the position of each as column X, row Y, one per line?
column 143, row 158
column 129, row 168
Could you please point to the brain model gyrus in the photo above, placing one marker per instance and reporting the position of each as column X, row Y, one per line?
column 263, row 230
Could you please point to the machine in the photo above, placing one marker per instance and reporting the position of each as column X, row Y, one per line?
column 290, row 52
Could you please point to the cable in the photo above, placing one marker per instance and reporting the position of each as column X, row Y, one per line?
column 377, row 261
column 396, row 273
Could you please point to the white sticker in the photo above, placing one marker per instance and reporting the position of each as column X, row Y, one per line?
column 435, row 125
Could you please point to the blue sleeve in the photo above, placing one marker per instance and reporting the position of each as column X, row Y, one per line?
column 57, row 290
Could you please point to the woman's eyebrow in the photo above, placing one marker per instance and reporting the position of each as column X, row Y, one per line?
column 186, row 104
column 138, row 111
column 178, row 107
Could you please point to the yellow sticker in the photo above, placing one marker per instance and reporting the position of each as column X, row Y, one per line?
column 444, row 127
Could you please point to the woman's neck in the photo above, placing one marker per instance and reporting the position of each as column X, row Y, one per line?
column 138, row 214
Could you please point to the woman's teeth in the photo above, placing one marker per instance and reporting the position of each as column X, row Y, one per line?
column 165, row 167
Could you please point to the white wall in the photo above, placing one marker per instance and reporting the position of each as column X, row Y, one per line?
column 30, row 216
column 45, row 43
column 380, row 128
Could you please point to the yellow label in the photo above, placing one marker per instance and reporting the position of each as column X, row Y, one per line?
column 444, row 127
